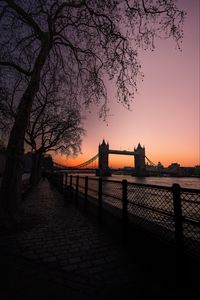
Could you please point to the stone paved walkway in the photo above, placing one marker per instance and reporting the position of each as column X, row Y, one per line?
column 59, row 253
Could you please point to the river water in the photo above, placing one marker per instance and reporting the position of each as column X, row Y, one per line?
column 184, row 182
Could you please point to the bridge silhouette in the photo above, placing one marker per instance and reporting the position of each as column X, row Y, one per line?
column 102, row 157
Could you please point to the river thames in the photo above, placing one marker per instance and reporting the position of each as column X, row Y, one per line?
column 184, row 182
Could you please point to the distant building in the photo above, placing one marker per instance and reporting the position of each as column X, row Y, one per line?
column 46, row 163
column 27, row 161
column 174, row 169
column 160, row 166
column 197, row 170
column 187, row 171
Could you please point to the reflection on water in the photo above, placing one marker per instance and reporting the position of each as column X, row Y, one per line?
column 185, row 182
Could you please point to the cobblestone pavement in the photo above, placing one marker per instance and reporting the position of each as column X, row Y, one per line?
column 58, row 253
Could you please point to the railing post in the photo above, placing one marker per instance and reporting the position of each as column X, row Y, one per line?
column 65, row 188
column 178, row 216
column 124, row 210
column 77, row 184
column 181, row 262
column 86, row 193
column 60, row 182
column 55, row 179
column 71, row 189
column 100, row 200
column 66, row 177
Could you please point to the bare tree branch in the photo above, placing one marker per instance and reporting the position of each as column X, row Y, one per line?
column 16, row 67
column 26, row 17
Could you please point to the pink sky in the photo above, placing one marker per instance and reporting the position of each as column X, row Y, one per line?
column 165, row 115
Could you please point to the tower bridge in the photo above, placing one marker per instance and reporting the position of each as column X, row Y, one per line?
column 138, row 153
column 103, row 160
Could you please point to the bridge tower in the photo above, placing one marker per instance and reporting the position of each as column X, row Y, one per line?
column 139, row 154
column 103, row 160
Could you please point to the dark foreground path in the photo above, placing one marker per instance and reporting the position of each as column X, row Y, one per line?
column 56, row 252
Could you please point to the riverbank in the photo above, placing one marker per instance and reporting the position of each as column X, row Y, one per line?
column 60, row 252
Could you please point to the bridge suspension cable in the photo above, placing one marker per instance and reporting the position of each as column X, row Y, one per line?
column 94, row 158
column 151, row 163
column 84, row 164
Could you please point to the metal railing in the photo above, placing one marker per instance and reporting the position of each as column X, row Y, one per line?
column 170, row 213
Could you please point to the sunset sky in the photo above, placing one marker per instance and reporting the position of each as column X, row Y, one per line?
column 165, row 115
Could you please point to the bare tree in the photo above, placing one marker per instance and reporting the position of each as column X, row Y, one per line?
column 83, row 39
column 55, row 119
column 54, row 125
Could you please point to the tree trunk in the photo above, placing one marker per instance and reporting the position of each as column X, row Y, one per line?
column 12, row 178
column 36, row 168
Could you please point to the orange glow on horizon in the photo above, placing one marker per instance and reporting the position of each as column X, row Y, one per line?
column 120, row 161
column 165, row 114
